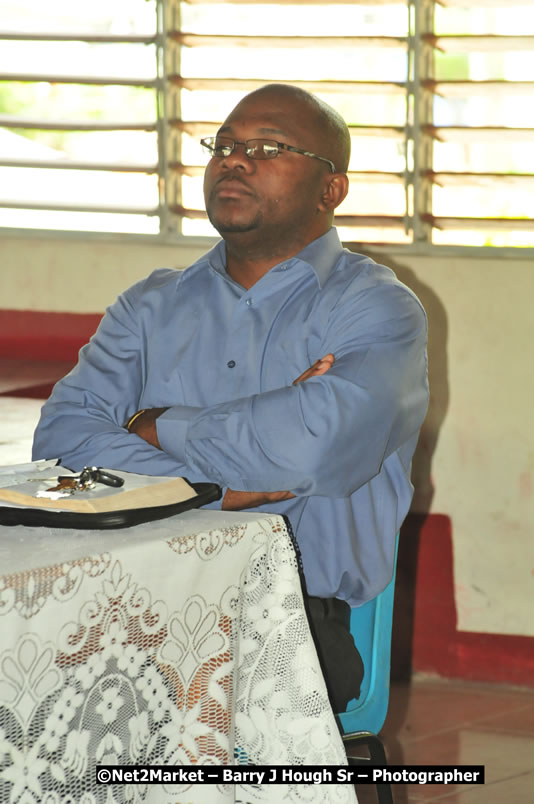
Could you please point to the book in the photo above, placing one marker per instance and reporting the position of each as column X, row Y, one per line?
column 27, row 481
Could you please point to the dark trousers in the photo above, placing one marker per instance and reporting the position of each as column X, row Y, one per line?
column 340, row 660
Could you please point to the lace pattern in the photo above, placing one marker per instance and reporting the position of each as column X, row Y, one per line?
column 189, row 649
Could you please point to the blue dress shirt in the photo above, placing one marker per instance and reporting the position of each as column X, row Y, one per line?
column 224, row 359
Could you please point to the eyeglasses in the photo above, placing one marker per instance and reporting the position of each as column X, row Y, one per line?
column 222, row 147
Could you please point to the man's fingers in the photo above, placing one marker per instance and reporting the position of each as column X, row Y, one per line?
column 320, row 366
column 326, row 363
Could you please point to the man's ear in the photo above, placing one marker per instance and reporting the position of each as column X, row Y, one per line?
column 334, row 192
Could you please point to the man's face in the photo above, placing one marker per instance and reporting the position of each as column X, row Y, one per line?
column 266, row 196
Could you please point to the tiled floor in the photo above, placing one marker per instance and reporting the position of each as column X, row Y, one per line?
column 429, row 722
column 435, row 722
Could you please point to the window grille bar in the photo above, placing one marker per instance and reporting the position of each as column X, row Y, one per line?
column 78, row 79
column 409, row 131
column 421, row 20
column 340, row 220
column 491, row 134
column 479, row 43
column 481, row 179
column 112, row 39
column 482, row 224
column 250, row 84
column 371, row 221
column 473, row 3
column 41, row 206
column 224, row 40
column 298, row 2
column 198, row 128
column 166, row 141
column 370, row 176
column 61, row 164
column 462, row 89
column 9, row 121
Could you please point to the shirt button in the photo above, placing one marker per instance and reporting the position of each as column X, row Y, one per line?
column 249, row 302
column 231, row 363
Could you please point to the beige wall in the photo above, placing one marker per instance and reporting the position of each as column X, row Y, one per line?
column 475, row 461
column 77, row 275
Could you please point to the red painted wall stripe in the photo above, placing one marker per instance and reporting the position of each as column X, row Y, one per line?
column 438, row 646
column 28, row 334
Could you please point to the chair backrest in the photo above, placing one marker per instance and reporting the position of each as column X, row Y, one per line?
column 370, row 625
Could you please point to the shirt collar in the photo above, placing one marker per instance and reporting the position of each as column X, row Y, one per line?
column 320, row 255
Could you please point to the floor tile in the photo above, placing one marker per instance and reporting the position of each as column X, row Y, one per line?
column 518, row 790
column 440, row 722
column 439, row 706
column 504, row 757
column 516, row 721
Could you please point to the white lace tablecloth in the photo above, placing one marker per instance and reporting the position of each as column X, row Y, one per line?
column 181, row 642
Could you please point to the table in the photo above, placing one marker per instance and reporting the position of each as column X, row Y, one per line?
column 182, row 642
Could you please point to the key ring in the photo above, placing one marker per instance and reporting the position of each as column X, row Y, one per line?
column 91, row 475
column 86, row 480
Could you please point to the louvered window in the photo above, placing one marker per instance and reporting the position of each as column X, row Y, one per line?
column 479, row 119
column 102, row 106
column 79, row 123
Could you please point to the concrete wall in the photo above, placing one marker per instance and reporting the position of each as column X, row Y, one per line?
column 475, row 461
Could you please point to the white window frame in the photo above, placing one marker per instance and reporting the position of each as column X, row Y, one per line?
column 418, row 133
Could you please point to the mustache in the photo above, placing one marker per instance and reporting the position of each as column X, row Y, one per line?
column 233, row 177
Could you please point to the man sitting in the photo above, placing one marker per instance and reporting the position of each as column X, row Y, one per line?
column 284, row 368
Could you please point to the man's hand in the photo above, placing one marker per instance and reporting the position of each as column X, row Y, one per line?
column 319, row 367
column 144, row 425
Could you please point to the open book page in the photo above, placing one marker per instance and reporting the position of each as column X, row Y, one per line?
column 138, row 491
column 16, row 473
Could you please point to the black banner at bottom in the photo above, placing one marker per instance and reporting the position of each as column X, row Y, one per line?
column 290, row 774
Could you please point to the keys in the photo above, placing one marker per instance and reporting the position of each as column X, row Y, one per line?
column 87, row 479
column 65, row 484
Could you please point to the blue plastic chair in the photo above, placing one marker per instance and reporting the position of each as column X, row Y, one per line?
column 370, row 626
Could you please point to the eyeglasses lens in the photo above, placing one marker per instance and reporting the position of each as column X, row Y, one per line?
column 254, row 149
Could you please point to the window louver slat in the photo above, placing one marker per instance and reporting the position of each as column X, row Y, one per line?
column 439, row 98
